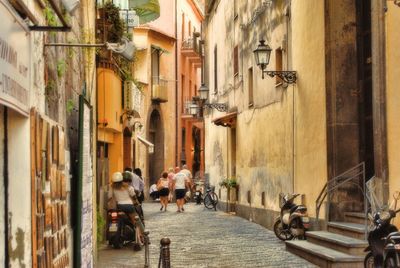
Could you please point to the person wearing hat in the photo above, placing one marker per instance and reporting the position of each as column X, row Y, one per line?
column 124, row 195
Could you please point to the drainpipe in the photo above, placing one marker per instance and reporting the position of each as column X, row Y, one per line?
column 5, row 175
column 176, row 86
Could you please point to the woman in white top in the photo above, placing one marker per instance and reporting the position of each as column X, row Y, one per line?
column 163, row 186
column 124, row 195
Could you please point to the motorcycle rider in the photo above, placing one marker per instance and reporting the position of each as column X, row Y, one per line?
column 124, row 195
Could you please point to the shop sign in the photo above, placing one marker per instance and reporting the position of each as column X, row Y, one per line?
column 14, row 60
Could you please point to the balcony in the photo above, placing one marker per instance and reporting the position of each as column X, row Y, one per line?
column 191, row 48
column 159, row 90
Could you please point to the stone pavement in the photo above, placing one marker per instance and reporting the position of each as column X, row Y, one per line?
column 204, row 238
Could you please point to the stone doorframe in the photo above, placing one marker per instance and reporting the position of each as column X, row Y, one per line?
column 378, row 93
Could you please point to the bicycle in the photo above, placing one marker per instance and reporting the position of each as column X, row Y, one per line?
column 210, row 199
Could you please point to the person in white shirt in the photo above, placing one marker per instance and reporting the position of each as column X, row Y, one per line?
column 137, row 182
column 180, row 184
column 189, row 175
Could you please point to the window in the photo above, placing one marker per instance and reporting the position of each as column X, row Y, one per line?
column 183, row 26
column 155, row 66
column 215, row 70
column 235, row 61
column 278, row 64
column 250, row 86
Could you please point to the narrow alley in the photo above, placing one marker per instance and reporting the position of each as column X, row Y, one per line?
column 204, row 238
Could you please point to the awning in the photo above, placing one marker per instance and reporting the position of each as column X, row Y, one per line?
column 228, row 120
column 147, row 10
column 147, row 143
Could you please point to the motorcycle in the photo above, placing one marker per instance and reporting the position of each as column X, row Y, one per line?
column 383, row 240
column 293, row 221
column 198, row 194
column 121, row 231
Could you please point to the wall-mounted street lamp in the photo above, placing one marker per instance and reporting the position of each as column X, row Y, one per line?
column 262, row 54
column 200, row 101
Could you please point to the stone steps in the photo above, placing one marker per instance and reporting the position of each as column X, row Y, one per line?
column 350, row 229
column 323, row 256
column 342, row 245
column 338, row 242
column 355, row 217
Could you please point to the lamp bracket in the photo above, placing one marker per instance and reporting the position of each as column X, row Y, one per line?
column 289, row 77
column 222, row 107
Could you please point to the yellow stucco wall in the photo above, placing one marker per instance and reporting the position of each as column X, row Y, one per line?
column 109, row 90
column 109, row 98
column 310, row 101
column 145, row 38
column 393, row 98
column 283, row 136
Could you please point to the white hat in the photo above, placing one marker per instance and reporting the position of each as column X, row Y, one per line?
column 117, row 177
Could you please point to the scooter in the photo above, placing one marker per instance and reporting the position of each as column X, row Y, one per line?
column 198, row 194
column 383, row 241
column 293, row 221
column 121, row 231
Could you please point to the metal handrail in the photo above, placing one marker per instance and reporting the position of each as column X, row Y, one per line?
column 340, row 180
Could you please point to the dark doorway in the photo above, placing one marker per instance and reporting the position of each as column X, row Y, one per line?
column 364, row 55
column 196, row 137
column 156, row 136
column 127, row 148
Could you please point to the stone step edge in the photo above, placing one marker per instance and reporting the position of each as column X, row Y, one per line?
column 358, row 243
column 343, row 226
column 317, row 250
column 359, row 215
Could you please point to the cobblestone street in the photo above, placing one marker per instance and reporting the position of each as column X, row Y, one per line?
column 204, row 238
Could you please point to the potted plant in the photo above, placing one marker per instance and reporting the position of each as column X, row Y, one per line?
column 230, row 183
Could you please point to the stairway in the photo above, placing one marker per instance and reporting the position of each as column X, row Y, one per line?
column 342, row 245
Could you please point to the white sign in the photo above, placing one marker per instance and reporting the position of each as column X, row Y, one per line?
column 130, row 18
column 14, row 60
column 87, row 193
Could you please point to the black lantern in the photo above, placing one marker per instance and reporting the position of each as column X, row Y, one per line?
column 262, row 55
column 203, row 92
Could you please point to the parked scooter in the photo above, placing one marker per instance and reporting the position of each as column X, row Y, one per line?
column 121, row 230
column 198, row 194
column 293, row 221
column 384, row 240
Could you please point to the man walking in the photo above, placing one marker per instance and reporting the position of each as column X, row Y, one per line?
column 180, row 184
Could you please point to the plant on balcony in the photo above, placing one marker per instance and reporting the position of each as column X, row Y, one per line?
column 117, row 27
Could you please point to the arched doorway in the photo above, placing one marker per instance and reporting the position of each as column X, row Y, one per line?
column 156, row 136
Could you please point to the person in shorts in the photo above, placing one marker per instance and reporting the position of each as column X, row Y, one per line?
column 163, row 187
column 180, row 185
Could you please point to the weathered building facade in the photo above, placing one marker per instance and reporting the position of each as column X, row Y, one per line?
column 282, row 137
column 40, row 90
column 190, row 136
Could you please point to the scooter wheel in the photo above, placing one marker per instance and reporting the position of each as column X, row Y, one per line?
column 369, row 261
column 390, row 261
column 280, row 232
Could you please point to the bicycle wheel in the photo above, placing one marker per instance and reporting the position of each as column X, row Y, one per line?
column 211, row 200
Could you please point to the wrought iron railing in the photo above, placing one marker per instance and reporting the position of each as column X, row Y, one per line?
column 352, row 177
column 191, row 43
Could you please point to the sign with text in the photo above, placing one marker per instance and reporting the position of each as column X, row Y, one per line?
column 129, row 17
column 14, row 60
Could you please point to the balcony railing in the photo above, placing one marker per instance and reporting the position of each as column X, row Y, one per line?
column 159, row 90
column 191, row 47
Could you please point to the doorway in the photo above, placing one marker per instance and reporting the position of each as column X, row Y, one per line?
column 348, row 99
column 127, row 148
column 196, row 137
column 156, row 136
